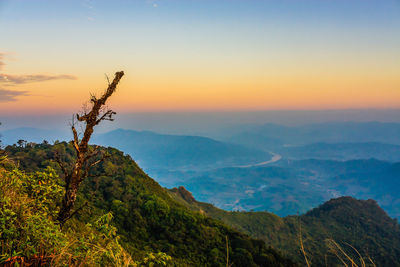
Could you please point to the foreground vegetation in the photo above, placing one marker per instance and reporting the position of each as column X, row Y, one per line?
column 124, row 218
column 29, row 233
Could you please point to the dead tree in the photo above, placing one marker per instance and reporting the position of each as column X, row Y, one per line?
column 84, row 156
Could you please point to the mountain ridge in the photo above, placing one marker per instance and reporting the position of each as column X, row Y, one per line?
column 345, row 220
column 153, row 150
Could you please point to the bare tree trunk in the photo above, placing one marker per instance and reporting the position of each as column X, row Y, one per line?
column 80, row 169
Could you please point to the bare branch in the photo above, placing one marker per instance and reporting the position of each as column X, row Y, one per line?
column 91, row 165
column 57, row 159
column 94, row 153
column 82, row 118
column 77, row 210
column 107, row 116
column 93, row 98
column 81, row 166
column 76, row 139
column 108, row 79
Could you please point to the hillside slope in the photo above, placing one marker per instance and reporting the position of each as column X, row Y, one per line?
column 360, row 223
column 147, row 217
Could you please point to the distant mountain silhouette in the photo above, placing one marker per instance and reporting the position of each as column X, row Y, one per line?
column 271, row 135
column 161, row 151
column 343, row 151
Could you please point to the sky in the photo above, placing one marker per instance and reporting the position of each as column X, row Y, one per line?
column 199, row 56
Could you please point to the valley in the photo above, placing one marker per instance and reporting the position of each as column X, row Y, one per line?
column 305, row 169
column 275, row 158
column 264, row 194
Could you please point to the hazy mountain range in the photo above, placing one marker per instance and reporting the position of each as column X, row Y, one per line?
column 272, row 135
column 171, row 152
column 343, row 151
column 313, row 163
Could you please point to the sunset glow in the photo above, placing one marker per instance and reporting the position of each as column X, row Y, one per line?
column 200, row 55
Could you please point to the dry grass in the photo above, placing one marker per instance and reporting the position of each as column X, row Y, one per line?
column 346, row 258
column 354, row 259
column 302, row 247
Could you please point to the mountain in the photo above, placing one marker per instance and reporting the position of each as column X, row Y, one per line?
column 147, row 218
column 361, row 224
column 343, row 151
column 268, row 136
column 364, row 179
column 160, row 151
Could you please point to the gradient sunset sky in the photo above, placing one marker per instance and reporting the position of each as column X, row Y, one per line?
column 200, row 55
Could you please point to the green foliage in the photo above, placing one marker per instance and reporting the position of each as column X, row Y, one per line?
column 95, row 243
column 26, row 225
column 153, row 227
column 28, row 205
column 355, row 224
column 156, row 259
column 44, row 189
column 157, row 207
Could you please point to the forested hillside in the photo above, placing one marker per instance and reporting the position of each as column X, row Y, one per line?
column 353, row 224
column 147, row 219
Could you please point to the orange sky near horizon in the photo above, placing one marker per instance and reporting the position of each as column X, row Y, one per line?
column 202, row 94
column 218, row 90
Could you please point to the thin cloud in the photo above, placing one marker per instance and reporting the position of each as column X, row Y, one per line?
column 12, row 80
column 11, row 95
column 9, row 79
column 88, row 4
column 153, row 3
column 1, row 60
